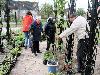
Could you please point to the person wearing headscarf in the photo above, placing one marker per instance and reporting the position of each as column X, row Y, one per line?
column 36, row 29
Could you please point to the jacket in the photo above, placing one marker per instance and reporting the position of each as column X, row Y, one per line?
column 26, row 22
column 50, row 29
column 37, row 29
column 78, row 27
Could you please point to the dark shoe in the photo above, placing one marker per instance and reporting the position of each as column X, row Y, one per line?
column 45, row 62
column 47, row 49
column 39, row 52
column 25, row 47
column 30, row 47
column 80, row 71
column 35, row 54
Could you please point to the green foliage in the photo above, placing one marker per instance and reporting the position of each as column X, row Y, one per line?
column 19, row 39
column 46, row 10
column 15, row 51
column 80, row 12
column 12, row 17
column 61, row 6
column 4, row 68
column 48, row 55
column 2, row 3
column 12, row 55
column 43, row 21
column 60, row 12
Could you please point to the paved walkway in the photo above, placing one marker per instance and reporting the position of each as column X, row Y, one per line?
column 28, row 64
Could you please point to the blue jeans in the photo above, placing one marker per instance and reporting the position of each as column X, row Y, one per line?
column 30, row 40
column 26, row 38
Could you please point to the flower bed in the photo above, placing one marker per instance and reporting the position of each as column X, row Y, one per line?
column 14, row 51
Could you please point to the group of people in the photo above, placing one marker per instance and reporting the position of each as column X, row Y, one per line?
column 33, row 27
column 78, row 27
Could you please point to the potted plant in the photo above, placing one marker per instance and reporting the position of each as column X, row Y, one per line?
column 50, row 60
column 52, row 66
column 47, row 56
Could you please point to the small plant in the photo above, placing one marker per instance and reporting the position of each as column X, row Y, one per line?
column 4, row 68
column 48, row 55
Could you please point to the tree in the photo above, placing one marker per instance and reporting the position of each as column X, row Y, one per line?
column 80, row 12
column 46, row 10
column 2, row 4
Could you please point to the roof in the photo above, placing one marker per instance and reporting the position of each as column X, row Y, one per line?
column 24, row 5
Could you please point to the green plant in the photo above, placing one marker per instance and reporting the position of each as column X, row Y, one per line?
column 14, row 51
column 46, row 10
column 19, row 39
column 4, row 68
column 80, row 12
column 48, row 55
column 58, row 73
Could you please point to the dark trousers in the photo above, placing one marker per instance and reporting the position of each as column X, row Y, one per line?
column 35, row 47
column 83, row 47
column 69, row 46
column 50, row 41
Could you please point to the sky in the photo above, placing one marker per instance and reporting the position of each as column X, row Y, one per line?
column 79, row 3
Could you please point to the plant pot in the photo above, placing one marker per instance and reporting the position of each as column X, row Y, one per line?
column 52, row 68
column 45, row 62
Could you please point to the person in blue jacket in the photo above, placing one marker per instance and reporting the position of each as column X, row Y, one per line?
column 36, row 29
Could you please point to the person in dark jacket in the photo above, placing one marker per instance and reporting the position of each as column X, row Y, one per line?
column 36, row 29
column 50, row 30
